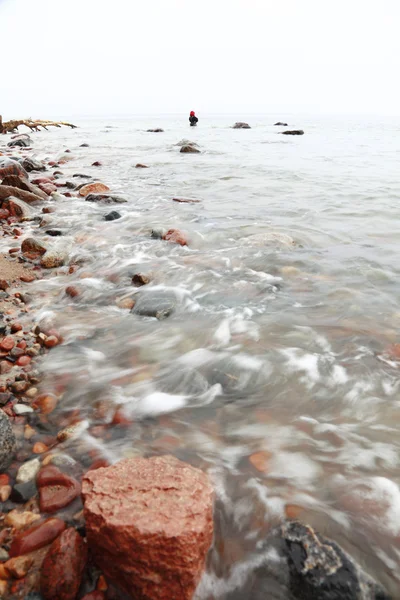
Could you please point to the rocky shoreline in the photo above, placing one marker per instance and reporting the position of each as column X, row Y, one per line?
column 68, row 529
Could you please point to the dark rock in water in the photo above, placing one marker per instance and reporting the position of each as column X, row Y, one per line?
column 7, row 441
column 82, row 175
column 85, row 145
column 112, row 216
column 22, row 492
column 158, row 130
column 31, row 164
column 155, row 303
column 97, row 163
column 279, row 124
column 70, row 185
column 22, row 142
column 54, row 232
column 105, row 198
column 189, row 148
column 158, row 233
column 140, row 166
column 140, row 279
column 241, row 125
column 293, row 132
column 320, row 570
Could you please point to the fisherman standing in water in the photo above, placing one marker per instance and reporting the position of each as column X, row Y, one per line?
column 193, row 119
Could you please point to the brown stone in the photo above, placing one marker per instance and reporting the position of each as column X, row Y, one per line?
column 56, row 489
column 28, row 278
column 93, row 188
column 46, row 403
column 260, row 460
column 19, row 520
column 7, row 343
column 32, row 246
column 48, row 188
column 63, row 567
column 161, row 508
column 186, row 200
column 140, row 279
column 18, row 567
column 23, row 184
column 97, row 163
column 72, row 291
column 140, row 166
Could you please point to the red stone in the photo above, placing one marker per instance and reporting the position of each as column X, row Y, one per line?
column 13, row 250
column 53, row 163
column 93, row 188
column 162, row 508
column 23, row 361
column 4, row 479
column 46, row 403
column 56, row 489
column 36, row 537
column 40, row 180
column 96, row 595
column 72, row 291
column 175, row 236
column 48, row 188
column 63, row 567
column 51, row 341
column 16, row 327
column 7, row 343
column 22, row 344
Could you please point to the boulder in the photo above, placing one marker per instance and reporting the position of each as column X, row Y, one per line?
column 63, row 567
column 189, row 149
column 93, row 188
column 9, row 166
column 24, row 184
column 319, row 569
column 241, row 125
column 112, row 216
column 31, row 164
column 7, row 190
column 17, row 208
column 149, row 524
column 279, row 124
column 8, row 442
column 105, row 198
column 293, row 132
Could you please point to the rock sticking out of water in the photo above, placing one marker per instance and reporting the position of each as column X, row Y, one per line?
column 279, row 124
column 31, row 164
column 112, row 216
column 157, row 130
column 149, row 523
column 7, row 441
column 293, row 132
column 320, row 570
column 189, row 149
column 241, row 125
column 23, row 141
column 105, row 198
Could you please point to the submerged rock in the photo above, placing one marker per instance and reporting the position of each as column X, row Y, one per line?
column 160, row 507
column 320, row 570
column 105, row 198
column 56, row 489
column 112, row 216
column 241, row 125
column 293, row 132
column 33, row 246
column 175, row 236
column 159, row 303
column 140, row 166
column 8, row 442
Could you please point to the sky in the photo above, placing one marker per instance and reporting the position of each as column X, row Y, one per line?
column 124, row 57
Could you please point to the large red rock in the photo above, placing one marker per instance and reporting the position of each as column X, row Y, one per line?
column 93, row 188
column 63, row 567
column 149, row 522
column 56, row 489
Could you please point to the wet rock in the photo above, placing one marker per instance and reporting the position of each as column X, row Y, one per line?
column 8, row 442
column 84, row 145
column 190, row 149
column 159, row 303
column 8, row 191
column 93, row 188
column 4, row 214
column 18, row 567
column 176, row 237
column 127, row 303
column 36, row 537
column 241, row 125
column 112, row 216
column 56, row 489
column 83, row 176
column 63, row 567
column 140, row 166
column 7, row 343
column 21, row 142
column 293, row 132
column 31, row 164
column 157, row 130
column 33, row 246
column 279, row 124
column 54, row 232
column 72, row 291
column 17, row 208
column 160, row 506
column 28, row 471
column 48, row 188
column 97, row 163
column 105, row 198
column 140, row 279
column 22, row 492
column 9, row 166
column 53, row 259
column 320, row 570
column 23, row 184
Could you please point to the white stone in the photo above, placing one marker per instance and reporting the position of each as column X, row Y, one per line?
column 28, row 471
column 22, row 409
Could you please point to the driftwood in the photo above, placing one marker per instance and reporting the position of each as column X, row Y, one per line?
column 34, row 125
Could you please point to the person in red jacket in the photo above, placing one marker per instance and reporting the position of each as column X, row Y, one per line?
column 193, row 119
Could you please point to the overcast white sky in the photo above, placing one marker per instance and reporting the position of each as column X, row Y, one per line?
column 106, row 57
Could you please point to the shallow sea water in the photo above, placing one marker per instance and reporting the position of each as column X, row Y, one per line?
column 276, row 373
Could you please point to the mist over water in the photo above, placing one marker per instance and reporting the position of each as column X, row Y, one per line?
column 275, row 371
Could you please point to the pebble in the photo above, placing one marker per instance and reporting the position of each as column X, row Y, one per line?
column 28, row 470
column 72, row 291
column 5, row 492
column 28, row 278
column 175, row 236
column 63, row 567
column 20, row 520
column 18, row 567
column 32, row 392
column 112, row 216
column 51, row 341
column 7, row 343
column 22, row 409
column 56, row 489
column 36, row 537
column 46, row 403
column 39, row 448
